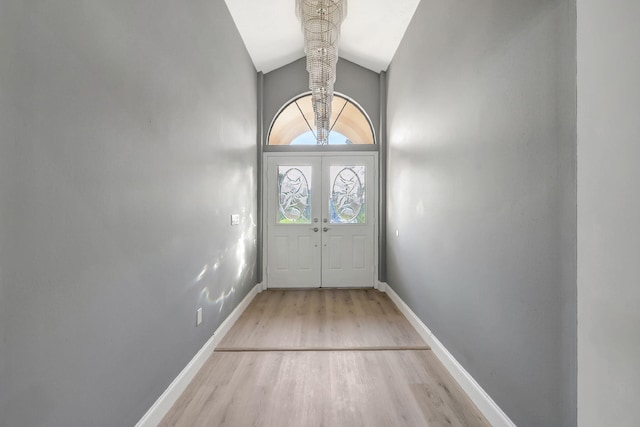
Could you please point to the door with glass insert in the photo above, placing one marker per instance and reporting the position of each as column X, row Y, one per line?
column 348, row 221
column 293, row 222
column 320, row 221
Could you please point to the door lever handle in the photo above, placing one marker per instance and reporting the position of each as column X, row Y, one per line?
column 325, row 229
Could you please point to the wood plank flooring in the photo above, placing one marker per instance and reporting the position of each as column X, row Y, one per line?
column 253, row 382
column 322, row 319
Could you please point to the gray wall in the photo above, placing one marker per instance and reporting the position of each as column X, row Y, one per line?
column 127, row 138
column 481, row 188
column 608, row 213
column 360, row 84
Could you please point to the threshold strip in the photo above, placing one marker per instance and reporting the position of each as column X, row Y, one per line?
column 267, row 349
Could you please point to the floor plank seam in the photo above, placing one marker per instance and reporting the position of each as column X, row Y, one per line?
column 274, row 349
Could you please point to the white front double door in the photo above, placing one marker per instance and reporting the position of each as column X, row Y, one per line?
column 320, row 220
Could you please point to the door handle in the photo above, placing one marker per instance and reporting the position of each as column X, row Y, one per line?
column 315, row 229
column 325, row 229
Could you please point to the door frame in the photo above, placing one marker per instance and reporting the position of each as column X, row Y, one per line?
column 325, row 153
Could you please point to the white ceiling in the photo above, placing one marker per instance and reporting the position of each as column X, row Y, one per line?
column 370, row 36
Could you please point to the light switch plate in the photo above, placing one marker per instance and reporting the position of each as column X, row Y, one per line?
column 199, row 316
column 235, row 219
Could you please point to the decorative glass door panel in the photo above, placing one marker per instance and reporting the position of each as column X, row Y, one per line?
column 294, row 194
column 347, row 199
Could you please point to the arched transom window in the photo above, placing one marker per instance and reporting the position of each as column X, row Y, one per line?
column 294, row 123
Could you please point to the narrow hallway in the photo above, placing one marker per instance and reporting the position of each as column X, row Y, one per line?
column 334, row 357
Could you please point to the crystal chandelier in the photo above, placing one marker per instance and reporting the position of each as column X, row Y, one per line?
column 321, row 20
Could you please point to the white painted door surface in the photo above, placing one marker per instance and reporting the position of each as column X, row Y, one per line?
column 347, row 221
column 320, row 218
column 293, row 222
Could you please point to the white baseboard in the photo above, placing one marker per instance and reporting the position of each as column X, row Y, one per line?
column 381, row 286
column 161, row 407
column 478, row 396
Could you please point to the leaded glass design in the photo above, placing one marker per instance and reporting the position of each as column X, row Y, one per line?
column 347, row 200
column 294, row 195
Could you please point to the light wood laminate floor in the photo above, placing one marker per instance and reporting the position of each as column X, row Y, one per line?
column 253, row 383
column 322, row 319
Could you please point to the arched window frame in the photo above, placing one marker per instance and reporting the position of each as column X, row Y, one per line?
column 305, row 148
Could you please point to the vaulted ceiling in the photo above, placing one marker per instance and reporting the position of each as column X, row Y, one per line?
column 370, row 36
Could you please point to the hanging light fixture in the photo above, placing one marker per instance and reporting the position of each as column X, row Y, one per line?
column 321, row 20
